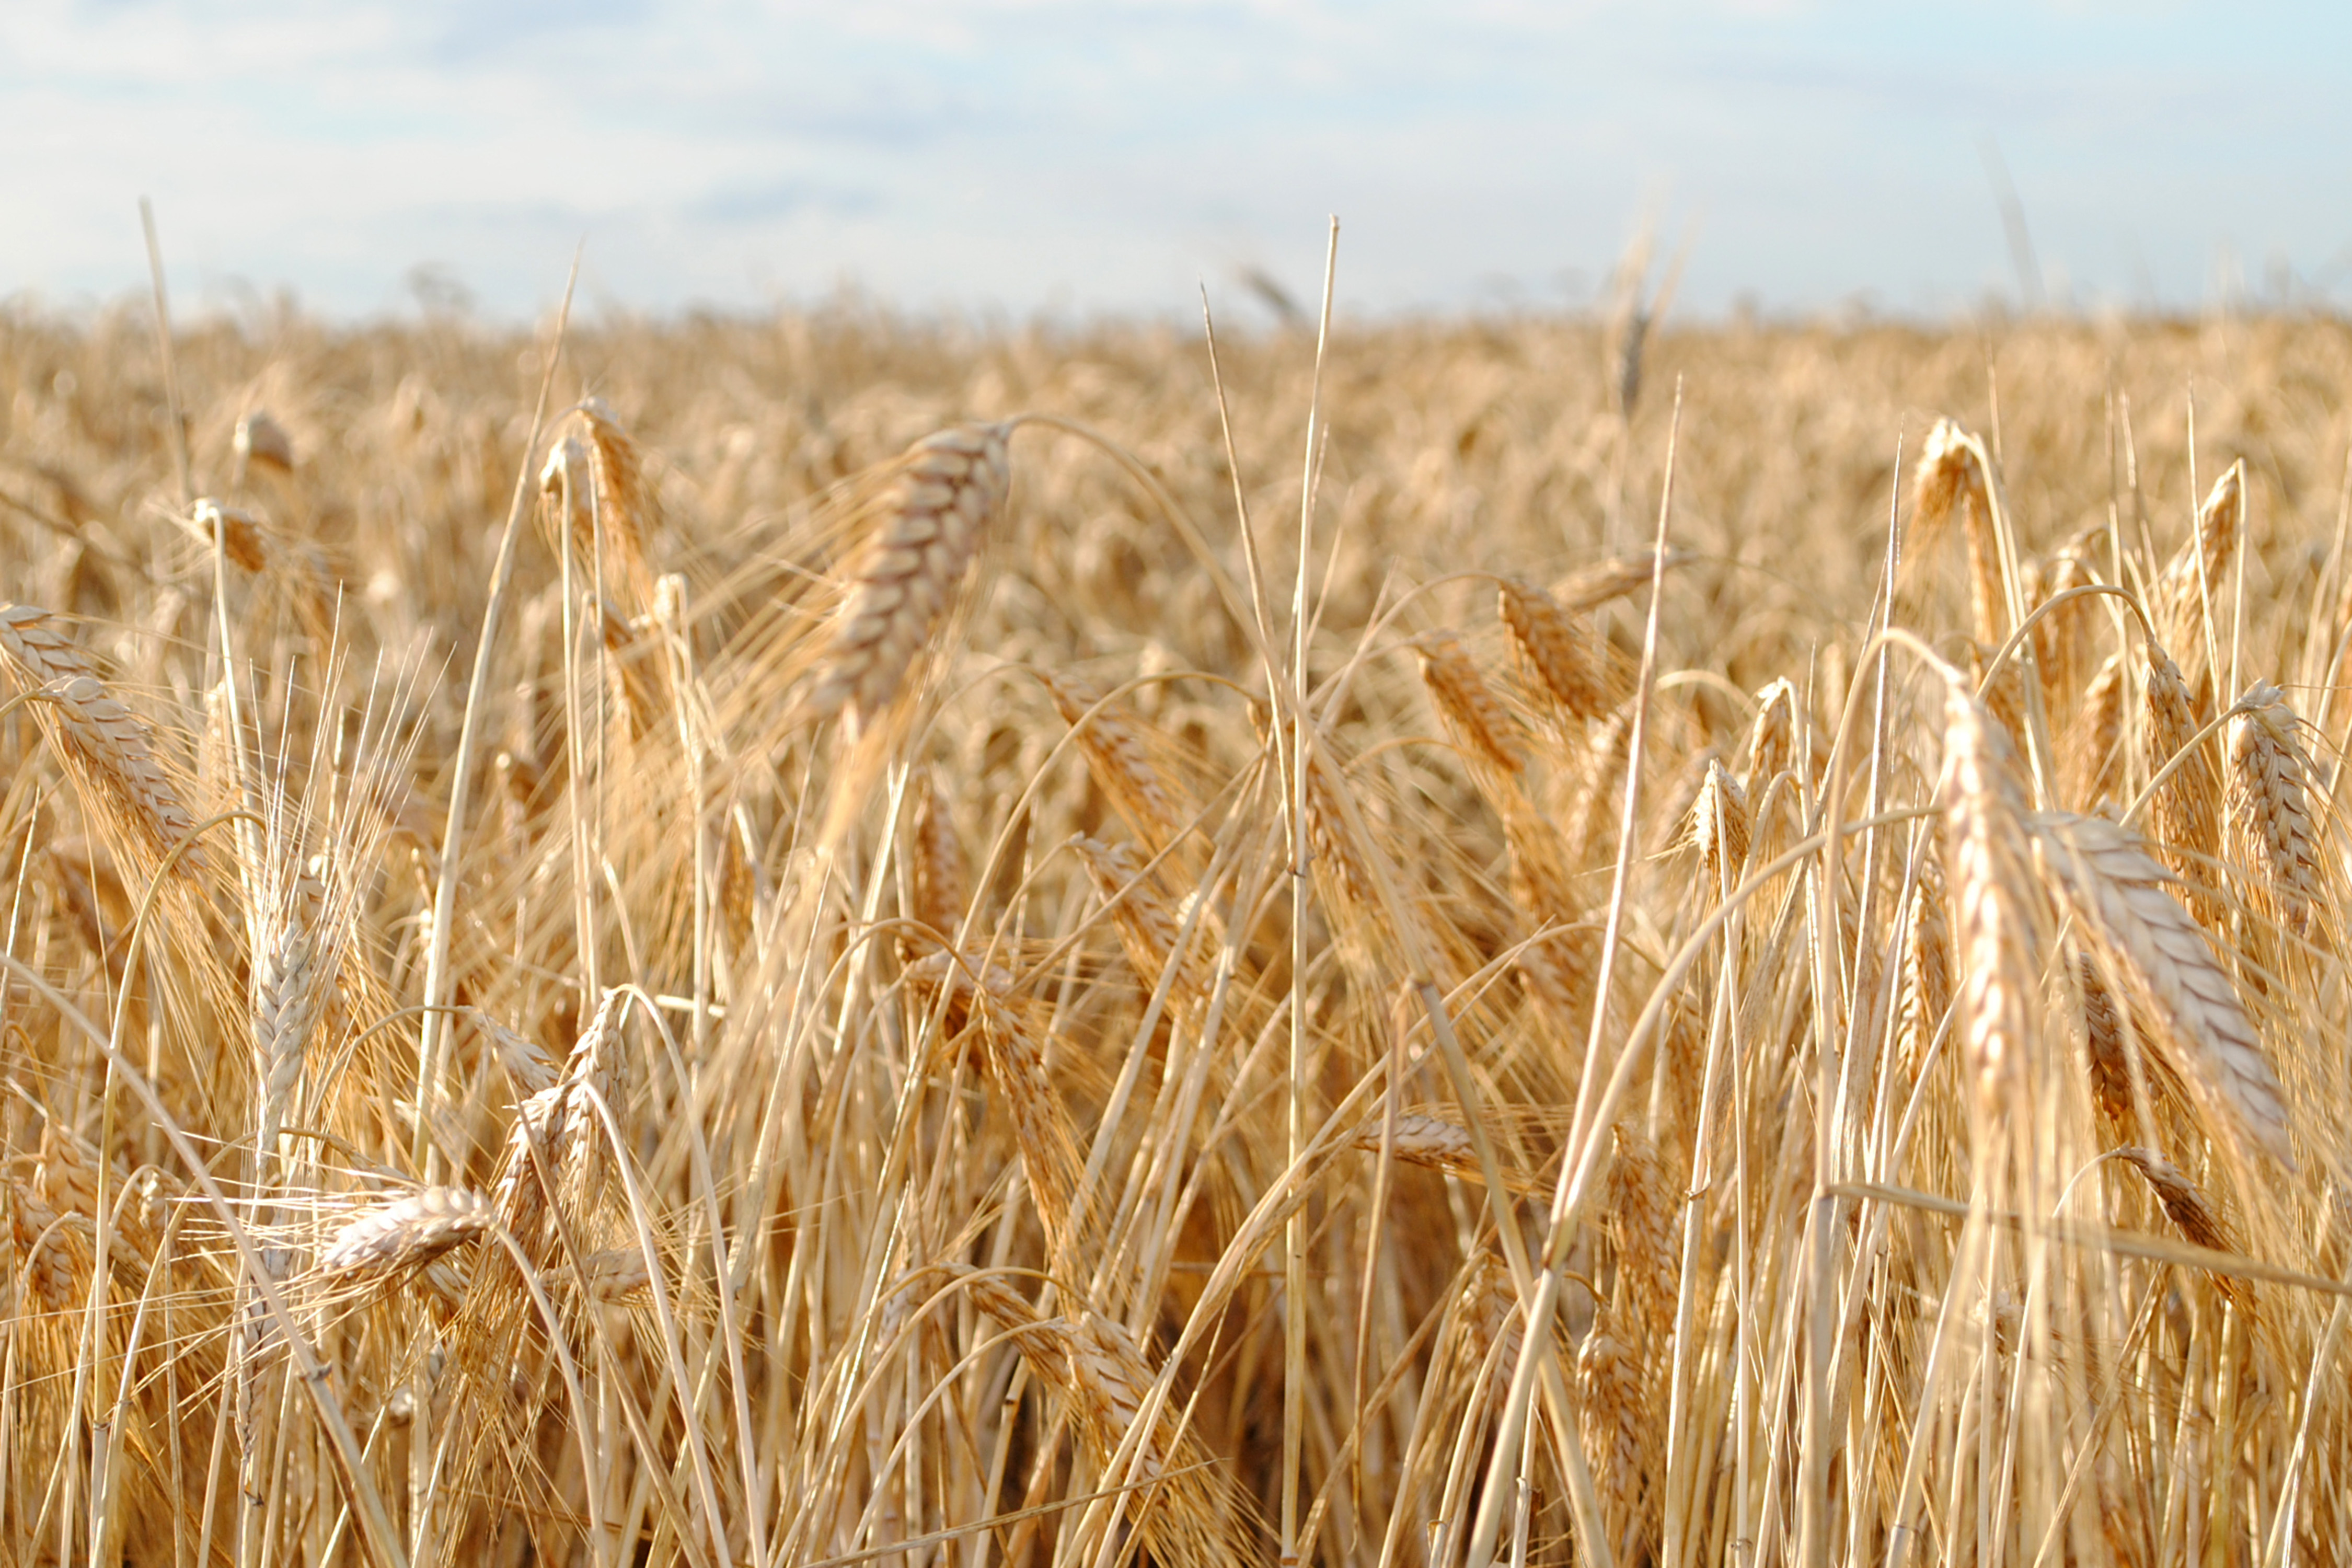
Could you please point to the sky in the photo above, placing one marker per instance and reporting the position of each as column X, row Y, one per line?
column 1038, row 157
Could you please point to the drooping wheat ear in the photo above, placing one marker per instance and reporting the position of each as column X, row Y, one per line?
column 628, row 508
column 1480, row 724
column 2115, row 890
column 2270, row 807
column 1346, row 879
column 2102, row 1042
column 1600, row 800
column 523, row 1057
column 616, row 1273
column 1613, row 1418
column 1718, row 829
column 53, row 1250
column 940, row 871
column 2061, row 638
column 639, row 669
column 567, row 495
column 1989, row 871
column 261, row 442
column 2185, row 813
column 1148, row 926
column 1591, row 587
column 2193, row 576
column 1927, row 967
column 2183, row 1204
column 1640, row 1203
column 2095, row 762
column 1772, row 739
column 2115, row 1032
column 105, row 742
column 1953, row 476
column 1042, row 1129
column 238, row 532
column 1195, row 1516
column 1436, row 1145
column 408, row 1233
column 1550, row 645
column 1113, row 745
column 947, row 487
column 556, row 1133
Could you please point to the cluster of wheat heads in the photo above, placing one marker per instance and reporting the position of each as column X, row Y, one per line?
column 797, row 974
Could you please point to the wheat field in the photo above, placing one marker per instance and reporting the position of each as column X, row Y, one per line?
column 842, row 940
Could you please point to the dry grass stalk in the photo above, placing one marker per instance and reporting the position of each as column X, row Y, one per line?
column 1113, row 746
column 2118, row 890
column 2270, row 808
column 1552, row 645
column 1480, row 724
column 406, row 1234
column 934, row 516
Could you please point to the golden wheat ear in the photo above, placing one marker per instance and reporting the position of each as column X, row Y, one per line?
column 934, row 518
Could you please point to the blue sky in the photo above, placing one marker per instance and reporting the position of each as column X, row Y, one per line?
column 1027, row 155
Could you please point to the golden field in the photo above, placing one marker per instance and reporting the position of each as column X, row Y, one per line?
column 934, row 945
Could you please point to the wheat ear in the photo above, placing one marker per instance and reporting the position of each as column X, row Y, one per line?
column 408, row 1233
column 934, row 514
column 2116, row 888
column 1116, row 755
column 1480, row 724
column 1991, row 875
column 1719, row 829
column 2270, row 806
column 91, row 727
column 1550, row 644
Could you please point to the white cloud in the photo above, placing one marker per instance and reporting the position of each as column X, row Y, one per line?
column 1020, row 151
